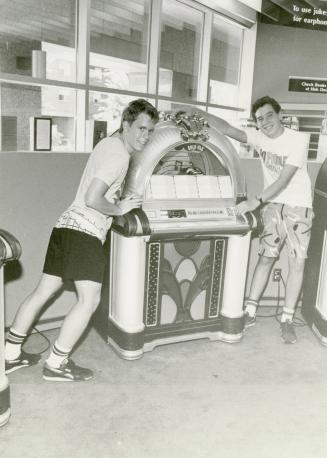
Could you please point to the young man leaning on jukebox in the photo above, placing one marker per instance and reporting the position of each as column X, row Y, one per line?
column 75, row 250
column 285, row 204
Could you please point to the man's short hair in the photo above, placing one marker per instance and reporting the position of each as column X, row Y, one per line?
column 136, row 107
column 266, row 100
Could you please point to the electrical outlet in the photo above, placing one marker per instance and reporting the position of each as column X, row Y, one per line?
column 277, row 274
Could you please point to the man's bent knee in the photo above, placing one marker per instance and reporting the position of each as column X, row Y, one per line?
column 89, row 294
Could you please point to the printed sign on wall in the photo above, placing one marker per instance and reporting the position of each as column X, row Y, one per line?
column 312, row 85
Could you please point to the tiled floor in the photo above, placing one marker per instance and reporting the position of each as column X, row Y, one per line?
column 259, row 398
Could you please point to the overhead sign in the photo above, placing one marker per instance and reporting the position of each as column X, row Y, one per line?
column 297, row 13
column 316, row 86
column 310, row 16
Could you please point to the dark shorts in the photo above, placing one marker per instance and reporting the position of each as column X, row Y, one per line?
column 285, row 224
column 75, row 255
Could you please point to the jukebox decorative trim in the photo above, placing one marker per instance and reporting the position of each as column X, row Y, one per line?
column 191, row 126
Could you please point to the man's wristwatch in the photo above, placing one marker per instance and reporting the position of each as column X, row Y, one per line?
column 259, row 199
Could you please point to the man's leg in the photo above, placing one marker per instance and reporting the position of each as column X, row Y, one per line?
column 58, row 367
column 258, row 285
column 270, row 245
column 294, row 282
column 292, row 293
column 25, row 317
column 297, row 222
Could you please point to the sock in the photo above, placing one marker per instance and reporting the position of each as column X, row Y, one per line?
column 14, row 344
column 251, row 307
column 287, row 314
column 57, row 356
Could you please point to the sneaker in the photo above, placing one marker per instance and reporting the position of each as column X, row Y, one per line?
column 24, row 360
column 67, row 372
column 287, row 332
column 249, row 320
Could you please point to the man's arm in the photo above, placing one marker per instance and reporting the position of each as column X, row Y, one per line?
column 218, row 123
column 225, row 128
column 95, row 198
column 271, row 191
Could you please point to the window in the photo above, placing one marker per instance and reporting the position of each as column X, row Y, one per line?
column 108, row 107
column 118, row 46
column 80, row 62
column 37, row 38
column 225, row 56
column 179, row 50
column 20, row 104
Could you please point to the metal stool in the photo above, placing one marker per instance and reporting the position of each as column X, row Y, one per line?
column 10, row 250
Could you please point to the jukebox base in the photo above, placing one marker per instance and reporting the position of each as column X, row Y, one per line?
column 4, row 403
column 167, row 291
column 131, row 346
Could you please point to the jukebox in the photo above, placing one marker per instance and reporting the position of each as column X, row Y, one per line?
column 314, row 301
column 10, row 250
column 178, row 266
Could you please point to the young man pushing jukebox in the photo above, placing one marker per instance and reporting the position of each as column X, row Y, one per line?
column 75, row 250
column 285, row 203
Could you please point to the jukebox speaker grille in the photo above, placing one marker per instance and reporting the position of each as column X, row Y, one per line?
column 153, row 283
column 217, row 278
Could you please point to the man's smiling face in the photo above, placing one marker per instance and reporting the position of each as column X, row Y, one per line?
column 268, row 121
column 139, row 133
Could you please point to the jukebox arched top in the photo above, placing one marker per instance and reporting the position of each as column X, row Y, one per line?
column 190, row 179
column 186, row 159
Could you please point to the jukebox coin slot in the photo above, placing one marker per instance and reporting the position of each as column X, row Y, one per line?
column 176, row 214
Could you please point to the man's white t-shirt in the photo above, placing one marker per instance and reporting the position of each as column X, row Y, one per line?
column 108, row 162
column 291, row 147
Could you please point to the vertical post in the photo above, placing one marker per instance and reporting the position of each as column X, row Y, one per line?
column 204, row 61
column 154, row 38
column 82, row 72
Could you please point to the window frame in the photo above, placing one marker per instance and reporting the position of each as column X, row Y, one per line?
column 83, row 87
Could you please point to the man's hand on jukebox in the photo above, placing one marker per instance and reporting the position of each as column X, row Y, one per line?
column 129, row 203
column 271, row 191
column 247, row 206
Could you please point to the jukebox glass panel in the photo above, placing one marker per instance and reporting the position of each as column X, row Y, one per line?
column 188, row 171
